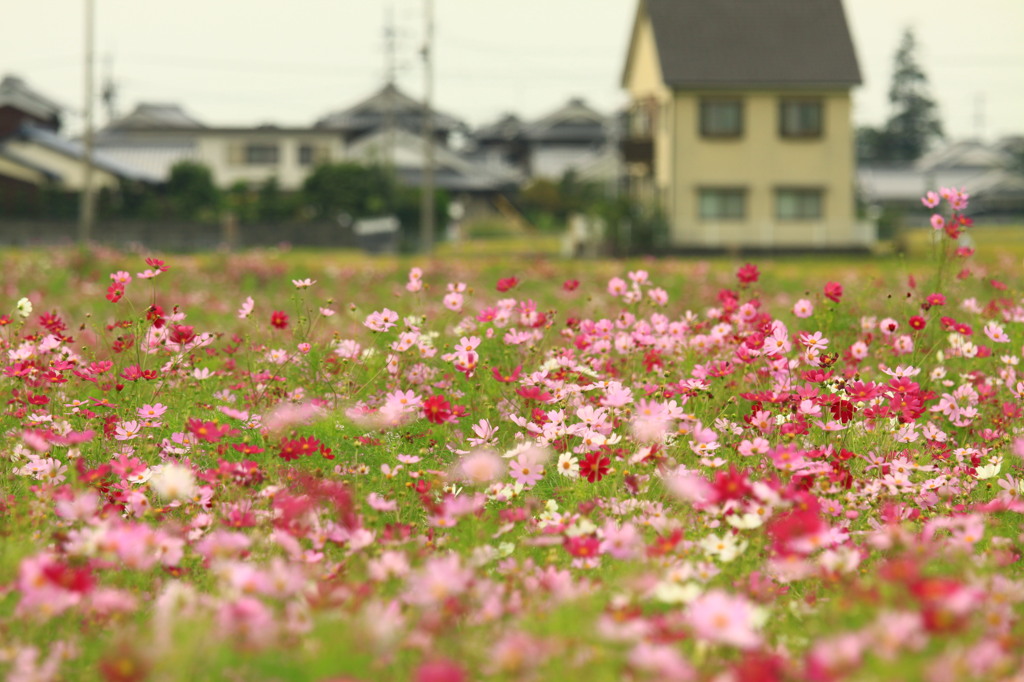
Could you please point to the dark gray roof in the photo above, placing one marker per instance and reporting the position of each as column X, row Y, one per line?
column 389, row 103
column 149, row 116
column 573, row 122
column 750, row 43
column 16, row 93
column 507, row 128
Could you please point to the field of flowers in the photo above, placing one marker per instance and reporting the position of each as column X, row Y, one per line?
column 235, row 469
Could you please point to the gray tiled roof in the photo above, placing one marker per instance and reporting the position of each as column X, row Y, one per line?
column 750, row 43
column 148, row 115
column 375, row 111
column 573, row 122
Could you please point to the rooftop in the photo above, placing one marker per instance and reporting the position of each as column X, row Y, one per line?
column 745, row 43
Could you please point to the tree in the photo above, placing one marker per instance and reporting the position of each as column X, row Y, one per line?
column 192, row 192
column 348, row 188
column 914, row 122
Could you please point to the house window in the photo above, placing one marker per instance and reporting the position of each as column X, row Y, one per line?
column 799, row 204
column 721, row 117
column 800, row 117
column 310, row 155
column 723, row 203
column 261, row 154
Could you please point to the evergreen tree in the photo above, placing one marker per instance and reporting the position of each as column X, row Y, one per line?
column 914, row 123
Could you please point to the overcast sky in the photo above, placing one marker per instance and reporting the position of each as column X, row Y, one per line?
column 243, row 62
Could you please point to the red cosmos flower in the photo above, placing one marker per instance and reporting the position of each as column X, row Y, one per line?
column 748, row 274
column 665, row 544
column 211, row 432
column 792, row 525
column 594, row 466
column 833, row 291
column 583, row 546
column 279, row 319
column 182, row 334
column 842, row 410
column 534, row 393
column 300, row 447
column 69, row 578
column 507, row 378
column 52, row 323
column 917, row 322
column 731, row 485
column 157, row 264
column 155, row 314
column 440, row 670
column 437, row 410
column 115, row 292
column 507, row 283
column 570, row 284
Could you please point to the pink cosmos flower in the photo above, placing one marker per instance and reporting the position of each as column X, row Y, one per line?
column 721, row 618
column 930, row 200
column 803, row 308
column 246, row 310
column 453, row 301
column 152, row 411
column 994, row 331
column 381, row 320
column 127, row 430
column 658, row 295
column 481, row 467
column 440, row 578
column 415, row 282
column 526, row 470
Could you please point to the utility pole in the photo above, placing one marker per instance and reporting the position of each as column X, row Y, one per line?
column 427, row 189
column 390, row 78
column 87, row 203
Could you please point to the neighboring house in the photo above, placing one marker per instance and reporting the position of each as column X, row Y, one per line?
column 20, row 104
column 389, row 108
column 156, row 137
column 739, row 122
column 572, row 137
column 985, row 171
column 20, row 177
column 403, row 151
column 502, row 145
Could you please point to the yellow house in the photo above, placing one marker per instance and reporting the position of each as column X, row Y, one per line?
column 739, row 122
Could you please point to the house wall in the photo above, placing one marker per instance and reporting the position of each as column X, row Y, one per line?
column 759, row 161
column 553, row 160
column 15, row 171
column 12, row 118
column 225, row 154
